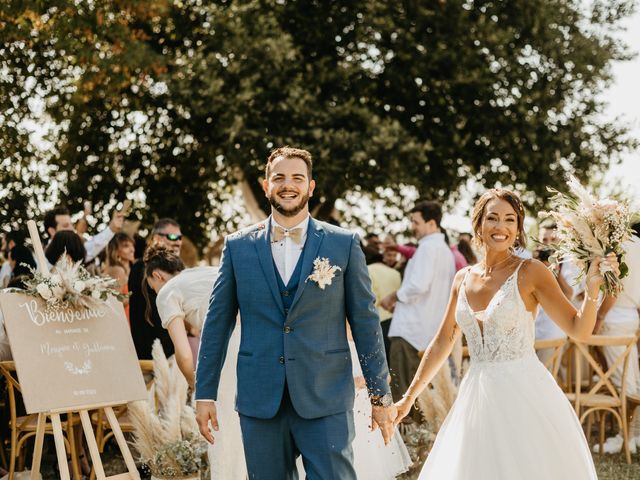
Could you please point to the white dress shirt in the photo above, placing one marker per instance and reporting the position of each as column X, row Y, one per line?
column 97, row 243
column 423, row 296
column 286, row 252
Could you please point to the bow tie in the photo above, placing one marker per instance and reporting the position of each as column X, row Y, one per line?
column 280, row 233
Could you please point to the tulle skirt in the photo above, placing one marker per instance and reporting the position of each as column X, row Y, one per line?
column 510, row 421
column 226, row 455
column 373, row 460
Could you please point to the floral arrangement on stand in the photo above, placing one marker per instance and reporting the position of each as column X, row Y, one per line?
column 165, row 430
column 71, row 286
column 589, row 227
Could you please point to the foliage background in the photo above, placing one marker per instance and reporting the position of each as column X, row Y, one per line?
column 172, row 103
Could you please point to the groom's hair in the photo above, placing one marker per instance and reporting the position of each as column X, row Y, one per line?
column 290, row 152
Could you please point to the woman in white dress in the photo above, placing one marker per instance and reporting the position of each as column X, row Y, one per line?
column 510, row 419
column 182, row 301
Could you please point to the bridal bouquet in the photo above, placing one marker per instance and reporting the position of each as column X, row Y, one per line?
column 71, row 286
column 589, row 227
column 165, row 430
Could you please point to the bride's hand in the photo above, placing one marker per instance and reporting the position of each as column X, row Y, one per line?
column 595, row 274
column 404, row 407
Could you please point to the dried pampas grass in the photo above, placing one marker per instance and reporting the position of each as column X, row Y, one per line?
column 436, row 400
column 165, row 426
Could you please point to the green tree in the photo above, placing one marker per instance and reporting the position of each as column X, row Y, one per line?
column 172, row 102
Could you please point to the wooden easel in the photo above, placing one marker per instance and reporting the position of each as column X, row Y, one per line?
column 83, row 412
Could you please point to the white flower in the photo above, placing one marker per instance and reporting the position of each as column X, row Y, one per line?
column 55, row 279
column 79, row 286
column 44, row 291
column 96, row 294
column 323, row 272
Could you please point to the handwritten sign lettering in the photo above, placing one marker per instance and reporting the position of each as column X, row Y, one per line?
column 67, row 358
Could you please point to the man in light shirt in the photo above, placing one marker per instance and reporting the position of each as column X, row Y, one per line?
column 59, row 219
column 419, row 305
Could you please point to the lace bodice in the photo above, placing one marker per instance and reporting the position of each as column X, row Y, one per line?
column 508, row 328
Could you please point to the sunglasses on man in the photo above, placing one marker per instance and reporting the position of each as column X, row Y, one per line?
column 174, row 237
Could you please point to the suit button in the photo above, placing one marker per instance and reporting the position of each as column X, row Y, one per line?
column 288, row 329
column 286, row 311
column 282, row 360
column 285, row 293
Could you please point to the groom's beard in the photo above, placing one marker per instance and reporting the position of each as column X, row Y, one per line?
column 289, row 211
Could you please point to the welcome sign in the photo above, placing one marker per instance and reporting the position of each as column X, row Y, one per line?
column 71, row 357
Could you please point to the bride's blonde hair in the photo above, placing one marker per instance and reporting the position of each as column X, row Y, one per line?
column 512, row 198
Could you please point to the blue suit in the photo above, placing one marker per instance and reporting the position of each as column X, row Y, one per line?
column 295, row 386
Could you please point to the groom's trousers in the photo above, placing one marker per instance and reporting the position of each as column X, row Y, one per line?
column 272, row 445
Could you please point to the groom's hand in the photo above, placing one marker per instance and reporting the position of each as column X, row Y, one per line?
column 205, row 411
column 383, row 417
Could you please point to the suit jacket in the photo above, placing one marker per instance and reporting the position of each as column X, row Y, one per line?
column 307, row 347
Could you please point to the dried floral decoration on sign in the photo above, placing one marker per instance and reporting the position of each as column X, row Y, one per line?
column 323, row 272
column 71, row 286
column 589, row 227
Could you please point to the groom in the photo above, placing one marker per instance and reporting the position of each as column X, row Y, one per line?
column 296, row 281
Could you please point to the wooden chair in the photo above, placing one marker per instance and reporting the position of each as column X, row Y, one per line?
column 602, row 396
column 24, row 427
column 555, row 359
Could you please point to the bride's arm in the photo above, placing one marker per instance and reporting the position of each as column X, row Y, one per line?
column 184, row 357
column 578, row 324
column 436, row 353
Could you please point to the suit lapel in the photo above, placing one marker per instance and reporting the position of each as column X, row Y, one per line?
column 315, row 234
column 263, row 246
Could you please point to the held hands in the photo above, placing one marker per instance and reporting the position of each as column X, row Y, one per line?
column 384, row 417
column 404, row 407
column 206, row 411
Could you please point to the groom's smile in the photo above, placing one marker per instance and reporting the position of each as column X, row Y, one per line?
column 288, row 186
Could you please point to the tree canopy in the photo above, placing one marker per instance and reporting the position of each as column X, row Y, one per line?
column 173, row 102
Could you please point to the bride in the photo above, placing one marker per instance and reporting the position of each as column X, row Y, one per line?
column 510, row 419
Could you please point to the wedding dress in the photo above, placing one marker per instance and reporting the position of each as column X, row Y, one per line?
column 510, row 419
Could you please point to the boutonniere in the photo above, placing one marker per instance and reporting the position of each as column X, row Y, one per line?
column 323, row 272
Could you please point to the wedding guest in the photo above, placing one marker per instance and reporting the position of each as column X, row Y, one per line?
column 373, row 240
column 59, row 219
column 166, row 232
column 419, row 304
column 566, row 273
column 459, row 259
column 466, row 236
column 22, row 263
column 465, row 248
column 118, row 261
column 65, row 242
column 618, row 316
column 9, row 240
column 384, row 281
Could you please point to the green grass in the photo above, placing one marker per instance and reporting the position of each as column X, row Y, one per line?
column 614, row 467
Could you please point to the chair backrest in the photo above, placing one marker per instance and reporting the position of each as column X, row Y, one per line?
column 8, row 371
column 604, row 384
column 553, row 362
